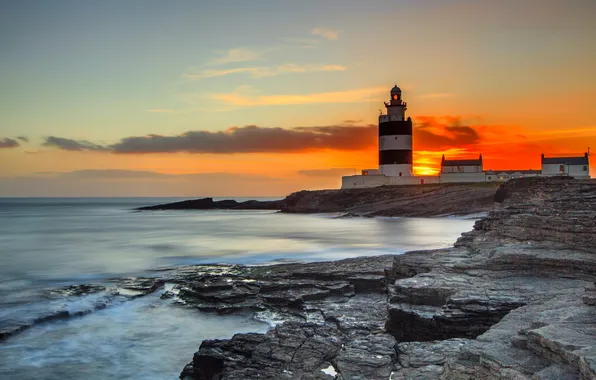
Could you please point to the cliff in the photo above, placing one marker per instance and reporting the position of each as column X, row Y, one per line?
column 414, row 200
column 513, row 299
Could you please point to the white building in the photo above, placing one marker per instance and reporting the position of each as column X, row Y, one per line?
column 462, row 170
column 578, row 167
column 461, row 166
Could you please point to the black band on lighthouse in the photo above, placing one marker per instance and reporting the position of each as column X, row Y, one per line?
column 392, row 157
column 397, row 128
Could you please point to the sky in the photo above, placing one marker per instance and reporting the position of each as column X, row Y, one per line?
column 263, row 98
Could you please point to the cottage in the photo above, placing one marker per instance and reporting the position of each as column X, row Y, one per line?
column 461, row 166
column 578, row 167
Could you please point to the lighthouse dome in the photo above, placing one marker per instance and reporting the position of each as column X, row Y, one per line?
column 396, row 90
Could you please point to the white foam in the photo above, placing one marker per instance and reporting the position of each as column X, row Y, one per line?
column 330, row 370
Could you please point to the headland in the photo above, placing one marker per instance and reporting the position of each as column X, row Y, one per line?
column 411, row 200
column 512, row 299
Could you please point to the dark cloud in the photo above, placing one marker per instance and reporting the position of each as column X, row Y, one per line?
column 23, row 138
column 333, row 172
column 73, row 145
column 248, row 139
column 429, row 134
column 433, row 134
column 6, row 143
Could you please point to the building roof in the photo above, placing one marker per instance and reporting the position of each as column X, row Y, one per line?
column 461, row 162
column 566, row 160
column 395, row 89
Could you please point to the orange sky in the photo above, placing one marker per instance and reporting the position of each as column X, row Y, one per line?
column 100, row 102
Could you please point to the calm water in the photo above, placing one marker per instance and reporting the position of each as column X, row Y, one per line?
column 46, row 243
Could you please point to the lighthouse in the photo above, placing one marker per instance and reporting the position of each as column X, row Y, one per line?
column 395, row 138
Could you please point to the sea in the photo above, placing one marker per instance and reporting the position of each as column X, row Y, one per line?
column 50, row 243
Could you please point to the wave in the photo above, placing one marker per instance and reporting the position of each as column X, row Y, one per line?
column 73, row 301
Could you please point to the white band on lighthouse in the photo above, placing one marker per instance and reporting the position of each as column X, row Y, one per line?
column 395, row 142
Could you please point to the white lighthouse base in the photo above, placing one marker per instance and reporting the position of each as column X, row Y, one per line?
column 396, row 170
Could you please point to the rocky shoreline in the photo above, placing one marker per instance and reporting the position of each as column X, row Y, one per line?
column 414, row 200
column 513, row 299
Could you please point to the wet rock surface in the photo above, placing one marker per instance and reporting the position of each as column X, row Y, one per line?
column 513, row 299
column 61, row 302
column 210, row 204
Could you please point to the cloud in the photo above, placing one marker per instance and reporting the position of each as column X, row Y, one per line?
column 239, row 55
column 73, row 145
column 438, row 134
column 213, row 73
column 259, row 72
column 6, row 143
column 327, row 33
column 248, row 139
column 333, row 172
column 241, row 99
column 23, row 138
column 252, row 139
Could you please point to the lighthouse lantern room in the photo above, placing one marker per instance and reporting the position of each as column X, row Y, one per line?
column 395, row 138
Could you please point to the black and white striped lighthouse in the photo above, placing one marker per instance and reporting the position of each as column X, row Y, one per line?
column 395, row 138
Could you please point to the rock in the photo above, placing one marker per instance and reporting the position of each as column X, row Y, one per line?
column 415, row 200
column 515, row 283
column 291, row 351
column 210, row 204
column 75, row 290
column 513, row 299
column 426, row 360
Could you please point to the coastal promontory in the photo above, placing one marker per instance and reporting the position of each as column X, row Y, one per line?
column 412, row 200
column 512, row 299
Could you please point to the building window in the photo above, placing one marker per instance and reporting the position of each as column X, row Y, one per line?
column 585, row 168
column 561, row 168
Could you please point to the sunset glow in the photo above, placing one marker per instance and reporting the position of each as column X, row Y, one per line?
column 267, row 99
